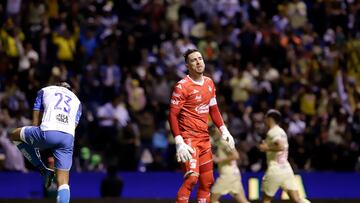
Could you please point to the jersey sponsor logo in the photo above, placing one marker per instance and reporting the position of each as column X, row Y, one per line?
column 175, row 102
column 179, row 86
column 203, row 108
column 62, row 118
column 195, row 91
column 176, row 95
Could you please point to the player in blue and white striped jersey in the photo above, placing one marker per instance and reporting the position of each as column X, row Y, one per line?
column 59, row 110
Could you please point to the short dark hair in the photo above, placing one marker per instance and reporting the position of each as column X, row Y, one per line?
column 188, row 52
column 274, row 114
column 64, row 84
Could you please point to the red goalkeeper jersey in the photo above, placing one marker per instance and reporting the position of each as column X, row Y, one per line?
column 193, row 100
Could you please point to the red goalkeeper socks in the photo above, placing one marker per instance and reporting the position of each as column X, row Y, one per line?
column 185, row 189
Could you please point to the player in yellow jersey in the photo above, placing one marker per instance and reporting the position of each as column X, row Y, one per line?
column 279, row 172
column 229, row 180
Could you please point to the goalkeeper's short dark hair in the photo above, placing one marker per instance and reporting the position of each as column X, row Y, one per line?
column 274, row 114
column 188, row 52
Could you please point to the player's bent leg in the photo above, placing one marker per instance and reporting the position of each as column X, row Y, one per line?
column 29, row 152
column 183, row 194
column 266, row 198
column 206, row 180
column 62, row 178
column 214, row 198
column 294, row 195
column 15, row 134
column 270, row 185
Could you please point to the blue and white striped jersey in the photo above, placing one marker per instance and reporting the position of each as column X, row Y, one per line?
column 61, row 109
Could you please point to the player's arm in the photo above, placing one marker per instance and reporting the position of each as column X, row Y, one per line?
column 78, row 115
column 219, row 123
column 218, row 120
column 183, row 151
column 36, row 117
column 173, row 121
column 277, row 146
column 177, row 101
column 38, row 109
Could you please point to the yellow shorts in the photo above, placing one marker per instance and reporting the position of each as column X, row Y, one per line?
column 273, row 180
column 227, row 184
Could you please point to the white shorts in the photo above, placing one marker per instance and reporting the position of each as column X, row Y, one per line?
column 227, row 184
column 273, row 180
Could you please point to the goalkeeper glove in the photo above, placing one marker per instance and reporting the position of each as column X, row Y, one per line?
column 182, row 150
column 225, row 135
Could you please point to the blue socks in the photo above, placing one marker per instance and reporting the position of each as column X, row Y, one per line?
column 63, row 194
column 32, row 155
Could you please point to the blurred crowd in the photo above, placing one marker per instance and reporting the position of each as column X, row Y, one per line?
column 123, row 57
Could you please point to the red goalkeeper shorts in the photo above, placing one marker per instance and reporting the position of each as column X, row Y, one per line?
column 202, row 158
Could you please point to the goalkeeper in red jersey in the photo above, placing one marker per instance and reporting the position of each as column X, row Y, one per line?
column 192, row 100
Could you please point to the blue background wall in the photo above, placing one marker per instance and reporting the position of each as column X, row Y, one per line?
column 166, row 184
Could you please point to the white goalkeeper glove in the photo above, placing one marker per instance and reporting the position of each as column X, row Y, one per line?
column 225, row 135
column 183, row 151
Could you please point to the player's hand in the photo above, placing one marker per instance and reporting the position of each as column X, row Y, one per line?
column 225, row 135
column 263, row 147
column 183, row 151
